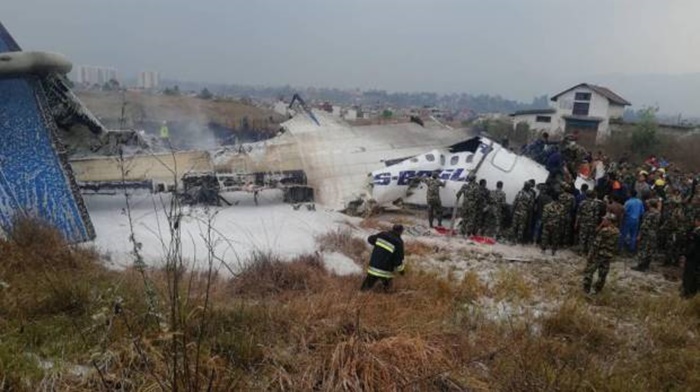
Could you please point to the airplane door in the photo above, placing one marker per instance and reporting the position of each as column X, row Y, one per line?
column 504, row 160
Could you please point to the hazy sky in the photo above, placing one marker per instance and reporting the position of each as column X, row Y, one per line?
column 516, row 48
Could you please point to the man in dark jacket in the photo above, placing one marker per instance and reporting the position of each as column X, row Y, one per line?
column 387, row 257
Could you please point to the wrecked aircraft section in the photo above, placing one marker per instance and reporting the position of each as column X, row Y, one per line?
column 334, row 157
column 479, row 155
column 36, row 180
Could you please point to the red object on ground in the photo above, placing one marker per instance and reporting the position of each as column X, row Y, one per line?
column 445, row 231
column 482, row 240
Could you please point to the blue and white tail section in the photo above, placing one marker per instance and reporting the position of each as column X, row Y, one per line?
column 36, row 180
column 454, row 165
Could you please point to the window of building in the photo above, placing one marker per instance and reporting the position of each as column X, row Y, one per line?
column 430, row 157
column 581, row 108
column 543, row 119
column 582, row 97
column 454, row 160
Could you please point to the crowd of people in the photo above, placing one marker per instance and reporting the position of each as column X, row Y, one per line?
column 650, row 210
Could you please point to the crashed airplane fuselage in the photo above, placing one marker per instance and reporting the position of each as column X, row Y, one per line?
column 337, row 157
column 487, row 159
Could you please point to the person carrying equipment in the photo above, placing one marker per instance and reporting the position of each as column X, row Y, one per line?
column 164, row 131
column 386, row 258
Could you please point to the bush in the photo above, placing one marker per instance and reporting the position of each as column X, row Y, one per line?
column 644, row 140
column 343, row 241
column 266, row 274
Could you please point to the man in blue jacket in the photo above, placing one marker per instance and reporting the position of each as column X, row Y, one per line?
column 386, row 258
column 634, row 209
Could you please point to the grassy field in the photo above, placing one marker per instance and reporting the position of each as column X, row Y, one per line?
column 67, row 323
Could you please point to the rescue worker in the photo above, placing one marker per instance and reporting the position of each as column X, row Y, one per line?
column 386, row 258
column 585, row 223
column 543, row 198
column 521, row 213
column 573, row 156
column 433, row 198
column 648, row 236
column 497, row 202
column 471, row 205
column 601, row 254
column 553, row 216
column 482, row 207
column 569, row 205
column 164, row 132
column 634, row 209
column 672, row 222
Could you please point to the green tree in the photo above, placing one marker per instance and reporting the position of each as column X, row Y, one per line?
column 172, row 91
column 387, row 114
column 645, row 136
column 205, row 94
column 111, row 85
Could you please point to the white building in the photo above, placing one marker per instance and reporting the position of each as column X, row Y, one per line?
column 91, row 74
column 585, row 109
column 336, row 110
column 148, row 80
column 541, row 120
column 350, row 115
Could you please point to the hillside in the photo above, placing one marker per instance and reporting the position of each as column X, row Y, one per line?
column 142, row 107
column 189, row 118
column 288, row 316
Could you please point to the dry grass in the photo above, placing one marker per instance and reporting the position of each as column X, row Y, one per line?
column 291, row 326
column 343, row 241
column 266, row 275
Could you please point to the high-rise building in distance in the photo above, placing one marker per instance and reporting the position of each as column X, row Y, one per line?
column 148, row 79
column 90, row 74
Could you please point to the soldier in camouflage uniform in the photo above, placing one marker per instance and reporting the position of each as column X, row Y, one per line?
column 573, row 155
column 483, row 207
column 590, row 214
column 673, row 228
column 497, row 202
column 433, row 198
column 552, row 219
column 648, row 236
column 569, row 204
column 471, row 206
column 585, row 223
column 521, row 212
column 601, row 254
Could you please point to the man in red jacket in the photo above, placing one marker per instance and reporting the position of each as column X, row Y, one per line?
column 386, row 258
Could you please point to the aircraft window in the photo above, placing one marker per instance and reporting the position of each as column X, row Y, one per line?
column 470, row 158
column 454, row 160
column 414, row 160
column 504, row 160
column 430, row 157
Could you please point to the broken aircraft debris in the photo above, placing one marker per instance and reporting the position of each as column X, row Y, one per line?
column 36, row 180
